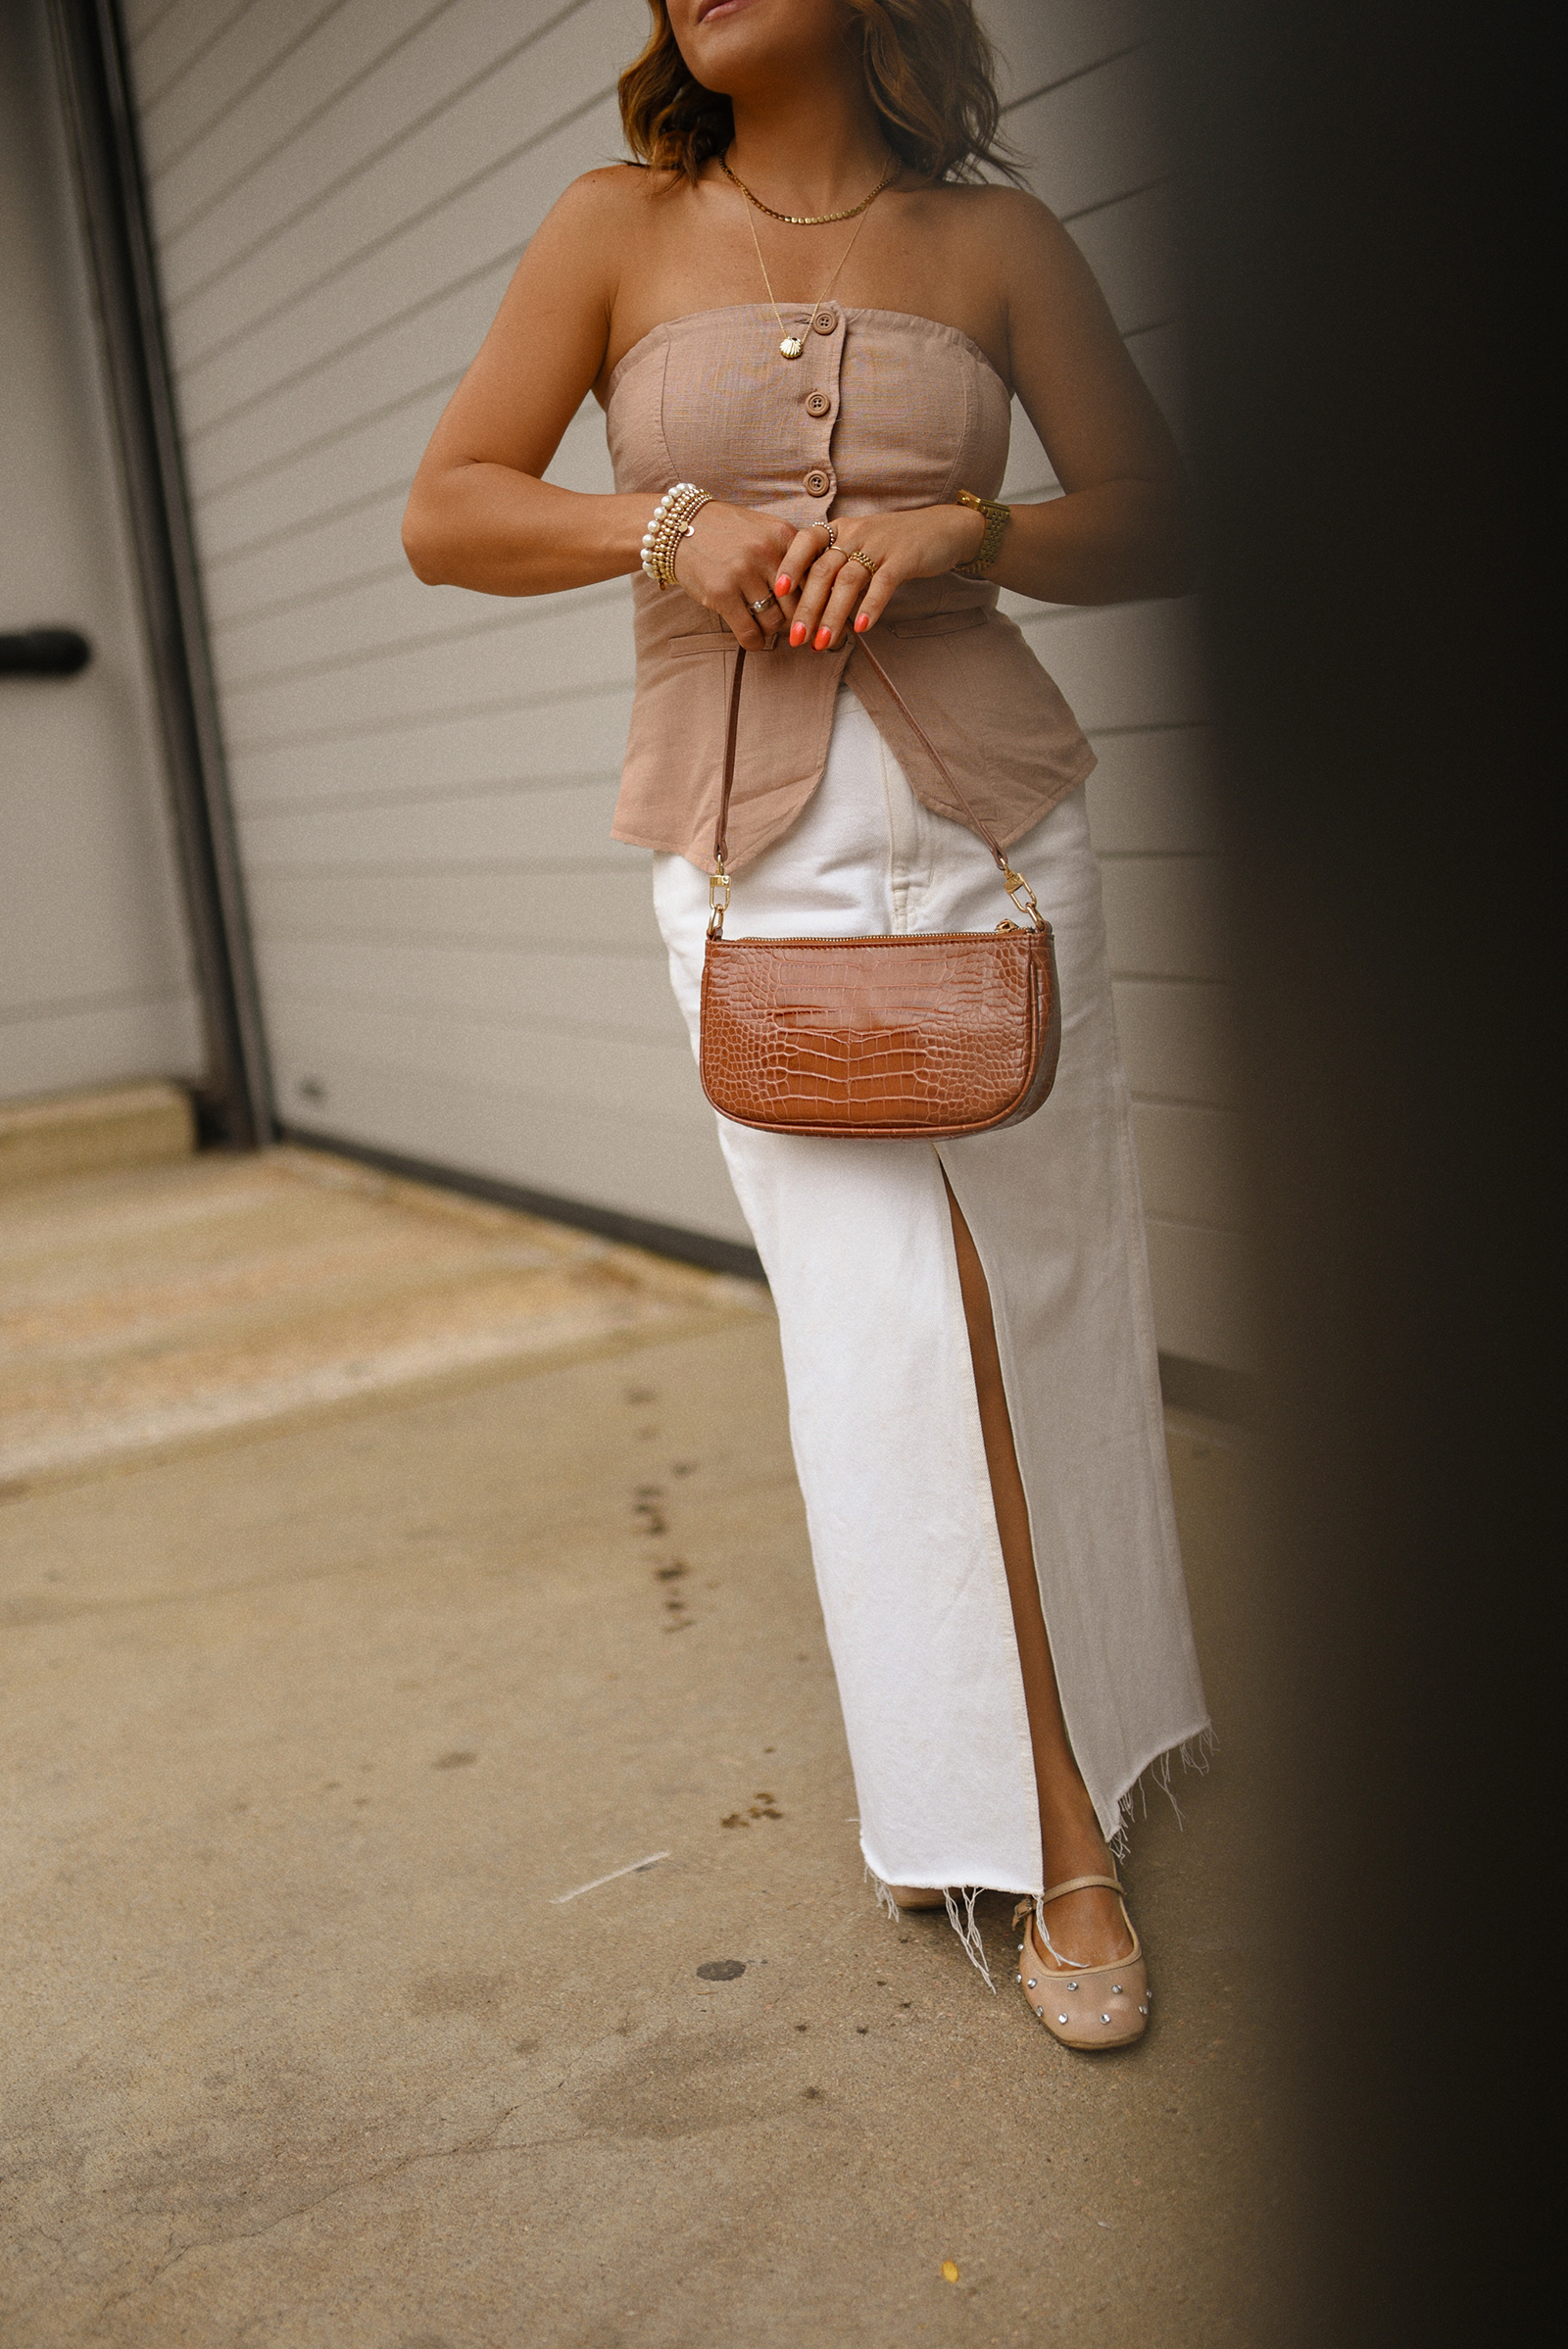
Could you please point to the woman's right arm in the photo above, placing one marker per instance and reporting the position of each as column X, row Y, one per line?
column 481, row 513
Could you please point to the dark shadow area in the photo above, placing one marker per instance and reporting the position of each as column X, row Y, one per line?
column 1363, row 192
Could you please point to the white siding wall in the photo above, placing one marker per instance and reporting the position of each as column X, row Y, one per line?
column 340, row 190
column 95, row 978
column 1080, row 104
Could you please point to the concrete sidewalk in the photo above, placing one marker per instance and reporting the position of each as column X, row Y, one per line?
column 322, row 2032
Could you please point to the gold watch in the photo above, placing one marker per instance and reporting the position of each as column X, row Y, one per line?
column 997, row 518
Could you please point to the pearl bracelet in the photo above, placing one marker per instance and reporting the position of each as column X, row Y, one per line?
column 671, row 521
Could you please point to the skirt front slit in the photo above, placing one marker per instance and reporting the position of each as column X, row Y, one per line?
column 857, row 1241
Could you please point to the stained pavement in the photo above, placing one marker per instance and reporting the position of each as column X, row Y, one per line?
column 314, row 1720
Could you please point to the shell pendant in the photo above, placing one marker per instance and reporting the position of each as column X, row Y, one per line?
column 792, row 346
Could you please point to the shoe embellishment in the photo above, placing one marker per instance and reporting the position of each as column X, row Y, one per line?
column 1075, row 2027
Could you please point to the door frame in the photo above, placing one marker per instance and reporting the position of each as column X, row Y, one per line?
column 236, row 1100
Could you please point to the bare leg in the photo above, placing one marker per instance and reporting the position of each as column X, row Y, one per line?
column 1085, row 1928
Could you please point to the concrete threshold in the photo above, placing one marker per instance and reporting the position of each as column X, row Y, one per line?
column 59, row 1135
column 155, row 1309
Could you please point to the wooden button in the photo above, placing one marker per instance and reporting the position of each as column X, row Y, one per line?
column 816, row 483
column 826, row 319
column 818, row 404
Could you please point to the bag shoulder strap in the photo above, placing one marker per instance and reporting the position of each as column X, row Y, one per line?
column 1014, row 882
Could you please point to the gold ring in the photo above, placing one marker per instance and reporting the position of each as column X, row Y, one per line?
column 859, row 555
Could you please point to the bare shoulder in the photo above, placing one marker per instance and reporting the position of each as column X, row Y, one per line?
column 1008, row 223
column 1033, row 263
column 1004, row 234
column 604, row 203
column 967, row 253
column 573, row 264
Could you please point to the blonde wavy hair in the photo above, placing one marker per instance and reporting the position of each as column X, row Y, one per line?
column 929, row 69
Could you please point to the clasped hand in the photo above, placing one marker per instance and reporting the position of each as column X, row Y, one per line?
column 736, row 557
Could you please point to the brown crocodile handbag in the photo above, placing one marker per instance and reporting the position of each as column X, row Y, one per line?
column 913, row 1038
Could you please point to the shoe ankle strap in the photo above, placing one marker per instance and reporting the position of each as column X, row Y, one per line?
column 1082, row 1884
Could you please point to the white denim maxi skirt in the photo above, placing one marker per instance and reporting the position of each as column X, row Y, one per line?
column 857, row 1242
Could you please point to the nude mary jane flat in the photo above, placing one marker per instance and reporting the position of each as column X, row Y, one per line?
column 1091, row 2006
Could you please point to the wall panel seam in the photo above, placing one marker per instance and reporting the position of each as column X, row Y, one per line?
column 570, row 948
column 397, row 486
column 1125, row 195
column 305, row 597
column 345, row 179
column 235, row 97
column 445, row 794
column 1078, row 74
column 196, row 360
column 353, row 342
column 1190, row 1223
column 189, row 64
column 1161, row 725
column 519, row 944
column 115, row 998
column 1160, row 855
column 1136, row 978
column 212, row 491
column 194, row 218
column 153, row 23
column 524, row 868
column 1182, row 1100
column 457, row 629
column 674, row 1041
column 497, row 707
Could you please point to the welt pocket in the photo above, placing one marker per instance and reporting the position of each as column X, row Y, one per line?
column 701, row 640
column 943, row 624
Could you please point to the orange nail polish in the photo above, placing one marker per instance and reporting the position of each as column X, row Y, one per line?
column 862, row 621
column 798, row 633
column 781, row 585
column 824, row 637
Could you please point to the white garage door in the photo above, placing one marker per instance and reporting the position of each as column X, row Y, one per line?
column 95, row 964
column 458, row 965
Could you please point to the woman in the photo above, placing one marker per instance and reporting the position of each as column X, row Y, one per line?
column 804, row 315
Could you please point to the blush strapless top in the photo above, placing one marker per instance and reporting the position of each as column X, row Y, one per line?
column 882, row 411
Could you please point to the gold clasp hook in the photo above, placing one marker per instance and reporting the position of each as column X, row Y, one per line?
column 1023, row 897
column 718, row 887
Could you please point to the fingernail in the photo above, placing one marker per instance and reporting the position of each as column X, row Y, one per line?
column 862, row 621
column 781, row 585
column 822, row 638
column 798, row 633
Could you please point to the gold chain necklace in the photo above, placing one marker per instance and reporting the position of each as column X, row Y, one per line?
column 792, row 345
column 809, row 220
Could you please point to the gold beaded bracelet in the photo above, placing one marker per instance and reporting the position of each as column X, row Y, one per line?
column 671, row 521
column 997, row 518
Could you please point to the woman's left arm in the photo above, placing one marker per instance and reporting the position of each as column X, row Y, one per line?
column 1122, row 528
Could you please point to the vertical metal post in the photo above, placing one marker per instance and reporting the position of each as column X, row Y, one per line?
column 90, row 50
